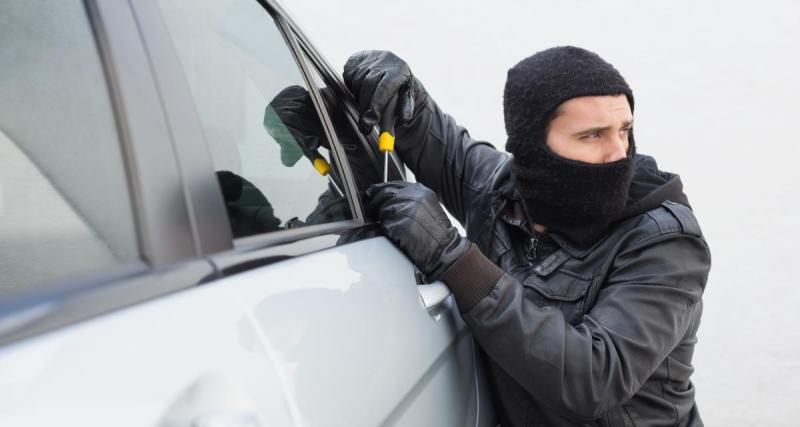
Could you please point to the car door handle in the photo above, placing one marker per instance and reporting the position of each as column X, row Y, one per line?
column 433, row 294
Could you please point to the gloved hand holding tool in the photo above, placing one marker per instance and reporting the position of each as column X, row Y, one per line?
column 375, row 78
column 412, row 218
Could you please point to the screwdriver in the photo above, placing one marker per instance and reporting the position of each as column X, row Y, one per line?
column 386, row 138
column 324, row 168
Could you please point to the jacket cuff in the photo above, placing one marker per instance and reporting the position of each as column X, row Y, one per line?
column 471, row 278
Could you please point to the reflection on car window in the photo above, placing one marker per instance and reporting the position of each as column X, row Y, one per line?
column 268, row 146
column 65, row 208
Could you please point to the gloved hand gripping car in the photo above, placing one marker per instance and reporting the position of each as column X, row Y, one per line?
column 413, row 218
column 582, row 273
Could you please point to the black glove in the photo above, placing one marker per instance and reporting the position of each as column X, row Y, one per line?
column 413, row 219
column 374, row 76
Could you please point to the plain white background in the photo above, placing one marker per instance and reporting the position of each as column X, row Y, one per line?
column 717, row 90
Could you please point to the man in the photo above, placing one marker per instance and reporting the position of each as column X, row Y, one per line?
column 583, row 269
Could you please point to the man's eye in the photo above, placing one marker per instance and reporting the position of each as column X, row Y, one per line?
column 625, row 130
column 592, row 135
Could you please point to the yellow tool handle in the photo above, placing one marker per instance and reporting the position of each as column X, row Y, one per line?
column 322, row 166
column 386, row 138
column 386, row 141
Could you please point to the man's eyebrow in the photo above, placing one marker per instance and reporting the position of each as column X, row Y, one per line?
column 600, row 129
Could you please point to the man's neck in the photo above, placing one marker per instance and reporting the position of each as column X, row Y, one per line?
column 539, row 228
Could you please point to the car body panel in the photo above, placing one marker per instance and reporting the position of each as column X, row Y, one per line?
column 358, row 347
column 169, row 362
column 289, row 328
column 338, row 337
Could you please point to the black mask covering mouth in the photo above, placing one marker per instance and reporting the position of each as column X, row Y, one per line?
column 577, row 199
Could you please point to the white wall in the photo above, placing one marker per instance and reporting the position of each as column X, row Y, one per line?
column 716, row 92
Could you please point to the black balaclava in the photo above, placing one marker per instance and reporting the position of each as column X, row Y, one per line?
column 575, row 198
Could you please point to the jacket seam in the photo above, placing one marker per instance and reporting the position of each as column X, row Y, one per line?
column 654, row 234
column 653, row 218
column 499, row 237
column 628, row 413
column 471, row 147
column 574, row 275
column 664, row 395
column 561, row 297
column 458, row 173
column 669, row 374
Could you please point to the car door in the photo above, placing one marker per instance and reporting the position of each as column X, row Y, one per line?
column 102, row 321
column 355, row 339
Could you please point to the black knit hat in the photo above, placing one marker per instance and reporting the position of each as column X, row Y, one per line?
column 538, row 84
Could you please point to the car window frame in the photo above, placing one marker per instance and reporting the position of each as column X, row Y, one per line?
column 327, row 124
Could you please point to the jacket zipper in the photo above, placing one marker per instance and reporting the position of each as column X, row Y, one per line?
column 532, row 251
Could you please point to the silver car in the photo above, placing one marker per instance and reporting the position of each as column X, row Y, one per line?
column 182, row 237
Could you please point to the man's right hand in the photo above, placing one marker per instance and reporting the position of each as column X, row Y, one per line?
column 374, row 76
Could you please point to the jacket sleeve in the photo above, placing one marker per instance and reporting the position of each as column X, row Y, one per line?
column 444, row 157
column 582, row 371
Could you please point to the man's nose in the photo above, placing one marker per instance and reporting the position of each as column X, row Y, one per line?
column 616, row 149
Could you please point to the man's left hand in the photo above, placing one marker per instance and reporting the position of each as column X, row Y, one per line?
column 411, row 217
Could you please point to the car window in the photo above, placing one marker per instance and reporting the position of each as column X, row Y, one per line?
column 270, row 152
column 367, row 168
column 64, row 201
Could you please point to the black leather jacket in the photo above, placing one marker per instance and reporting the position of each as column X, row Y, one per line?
column 601, row 335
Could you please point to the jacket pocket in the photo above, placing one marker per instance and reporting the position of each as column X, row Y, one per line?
column 561, row 289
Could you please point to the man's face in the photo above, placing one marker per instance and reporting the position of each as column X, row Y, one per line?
column 592, row 129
